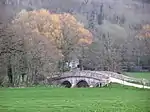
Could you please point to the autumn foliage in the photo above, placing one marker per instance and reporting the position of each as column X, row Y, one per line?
column 145, row 32
column 53, row 26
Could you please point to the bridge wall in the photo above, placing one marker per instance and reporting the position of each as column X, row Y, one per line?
column 74, row 77
column 75, row 80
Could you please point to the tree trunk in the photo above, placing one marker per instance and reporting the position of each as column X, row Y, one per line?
column 9, row 73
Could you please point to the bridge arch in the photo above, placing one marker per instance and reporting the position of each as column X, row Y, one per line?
column 66, row 84
column 98, row 84
column 82, row 83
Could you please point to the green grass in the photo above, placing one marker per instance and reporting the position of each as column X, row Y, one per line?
column 42, row 99
column 145, row 75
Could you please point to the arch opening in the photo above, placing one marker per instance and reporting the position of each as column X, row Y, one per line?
column 66, row 84
column 82, row 83
column 99, row 85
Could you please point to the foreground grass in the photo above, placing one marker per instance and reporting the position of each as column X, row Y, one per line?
column 42, row 99
column 145, row 75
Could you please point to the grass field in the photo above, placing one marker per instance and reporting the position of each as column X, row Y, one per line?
column 42, row 99
column 145, row 75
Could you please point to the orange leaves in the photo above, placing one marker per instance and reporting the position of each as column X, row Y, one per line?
column 51, row 25
column 145, row 32
column 86, row 36
column 146, row 27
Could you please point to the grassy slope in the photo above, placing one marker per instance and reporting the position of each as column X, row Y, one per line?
column 145, row 75
column 115, row 99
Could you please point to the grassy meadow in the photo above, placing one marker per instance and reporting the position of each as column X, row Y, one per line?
column 145, row 75
column 45, row 99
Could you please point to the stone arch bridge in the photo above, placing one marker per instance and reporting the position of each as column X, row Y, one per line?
column 80, row 79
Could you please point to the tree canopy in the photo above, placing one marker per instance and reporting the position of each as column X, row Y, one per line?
column 52, row 25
